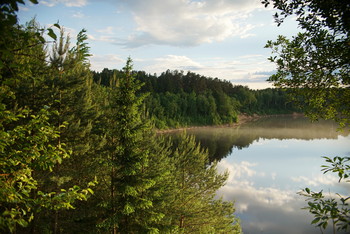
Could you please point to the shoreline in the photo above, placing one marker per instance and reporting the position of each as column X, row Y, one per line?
column 242, row 119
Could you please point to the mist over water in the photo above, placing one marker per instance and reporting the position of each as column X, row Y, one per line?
column 269, row 161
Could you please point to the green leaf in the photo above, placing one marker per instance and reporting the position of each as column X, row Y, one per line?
column 22, row 222
column 307, row 190
column 90, row 190
column 52, row 34
column 57, row 25
column 316, row 220
column 128, row 209
column 324, row 225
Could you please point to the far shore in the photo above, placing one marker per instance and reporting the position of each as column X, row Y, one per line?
column 243, row 118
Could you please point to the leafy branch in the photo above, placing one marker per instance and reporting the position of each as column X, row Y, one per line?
column 332, row 210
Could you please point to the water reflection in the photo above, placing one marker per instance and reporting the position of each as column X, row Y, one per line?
column 269, row 161
column 220, row 141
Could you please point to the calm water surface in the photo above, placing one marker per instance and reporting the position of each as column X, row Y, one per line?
column 269, row 161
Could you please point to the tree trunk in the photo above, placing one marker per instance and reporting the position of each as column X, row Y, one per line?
column 55, row 229
column 182, row 221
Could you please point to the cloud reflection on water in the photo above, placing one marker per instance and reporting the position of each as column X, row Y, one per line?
column 268, row 209
column 269, row 161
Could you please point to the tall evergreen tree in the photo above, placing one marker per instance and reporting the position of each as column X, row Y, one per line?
column 133, row 183
column 69, row 88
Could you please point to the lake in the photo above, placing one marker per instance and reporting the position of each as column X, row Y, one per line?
column 269, row 161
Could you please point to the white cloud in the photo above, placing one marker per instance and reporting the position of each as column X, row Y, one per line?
column 105, row 38
column 238, row 70
column 78, row 15
column 237, row 170
column 108, row 30
column 75, row 3
column 263, row 209
column 270, row 209
column 318, row 180
column 71, row 32
column 99, row 62
column 273, row 175
column 246, row 194
column 68, row 3
column 240, row 185
column 23, row 8
column 173, row 62
column 49, row 3
column 108, row 34
column 266, row 207
column 189, row 23
column 254, row 85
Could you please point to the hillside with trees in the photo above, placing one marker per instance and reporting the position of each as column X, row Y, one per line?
column 178, row 99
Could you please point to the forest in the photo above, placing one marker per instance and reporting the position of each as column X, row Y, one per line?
column 179, row 99
column 78, row 148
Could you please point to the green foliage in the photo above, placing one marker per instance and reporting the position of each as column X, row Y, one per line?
column 68, row 86
column 314, row 65
column 30, row 144
column 338, row 165
column 81, row 50
column 327, row 209
column 153, row 185
column 9, row 31
column 193, row 208
column 312, row 15
column 183, row 109
column 24, row 149
column 134, row 177
column 177, row 99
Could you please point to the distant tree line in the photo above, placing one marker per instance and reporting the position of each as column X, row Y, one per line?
column 178, row 99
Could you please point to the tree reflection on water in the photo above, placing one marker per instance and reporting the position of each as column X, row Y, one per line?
column 269, row 161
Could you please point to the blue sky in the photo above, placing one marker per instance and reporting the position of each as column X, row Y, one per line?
column 215, row 38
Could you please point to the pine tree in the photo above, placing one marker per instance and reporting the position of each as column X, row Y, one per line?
column 70, row 89
column 28, row 141
column 64, row 84
column 70, row 83
column 135, row 181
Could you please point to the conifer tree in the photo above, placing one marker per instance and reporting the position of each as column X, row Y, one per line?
column 28, row 141
column 70, row 85
column 135, row 180
column 69, row 89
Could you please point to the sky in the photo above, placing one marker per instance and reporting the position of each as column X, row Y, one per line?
column 214, row 38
